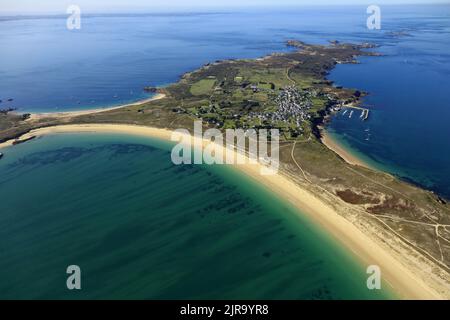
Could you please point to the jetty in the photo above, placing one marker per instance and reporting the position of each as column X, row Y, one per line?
column 364, row 111
column 365, row 114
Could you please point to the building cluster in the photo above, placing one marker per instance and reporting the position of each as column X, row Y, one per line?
column 292, row 107
column 293, row 104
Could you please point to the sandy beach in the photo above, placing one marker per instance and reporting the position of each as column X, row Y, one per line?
column 332, row 144
column 68, row 114
column 404, row 282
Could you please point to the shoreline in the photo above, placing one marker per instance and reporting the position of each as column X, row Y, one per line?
column 341, row 151
column 404, row 282
column 37, row 116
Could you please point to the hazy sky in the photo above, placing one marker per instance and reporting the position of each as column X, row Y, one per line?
column 59, row 6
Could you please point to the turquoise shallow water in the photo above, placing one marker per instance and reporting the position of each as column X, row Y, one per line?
column 140, row 227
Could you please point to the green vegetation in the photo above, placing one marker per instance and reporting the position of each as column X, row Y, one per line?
column 203, row 87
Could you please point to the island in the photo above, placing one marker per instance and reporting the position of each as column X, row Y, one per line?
column 399, row 226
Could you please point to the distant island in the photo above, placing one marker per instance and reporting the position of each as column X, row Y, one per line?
column 404, row 228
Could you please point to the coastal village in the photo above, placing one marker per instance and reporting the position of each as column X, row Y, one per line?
column 257, row 95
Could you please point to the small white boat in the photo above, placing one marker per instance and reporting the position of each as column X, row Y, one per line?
column 344, row 112
column 1, row 155
column 351, row 114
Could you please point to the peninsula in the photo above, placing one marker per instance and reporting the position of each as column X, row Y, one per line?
column 385, row 221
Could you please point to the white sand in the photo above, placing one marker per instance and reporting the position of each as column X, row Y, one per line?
column 341, row 151
column 69, row 114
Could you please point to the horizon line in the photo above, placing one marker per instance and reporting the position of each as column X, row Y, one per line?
column 201, row 9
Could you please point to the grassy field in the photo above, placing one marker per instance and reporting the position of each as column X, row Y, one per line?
column 203, row 87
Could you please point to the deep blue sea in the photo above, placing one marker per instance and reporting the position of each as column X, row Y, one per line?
column 45, row 67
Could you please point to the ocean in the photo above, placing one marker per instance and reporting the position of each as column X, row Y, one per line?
column 114, row 204
column 46, row 67
column 409, row 97
column 140, row 227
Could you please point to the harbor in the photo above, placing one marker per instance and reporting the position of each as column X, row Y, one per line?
column 364, row 112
